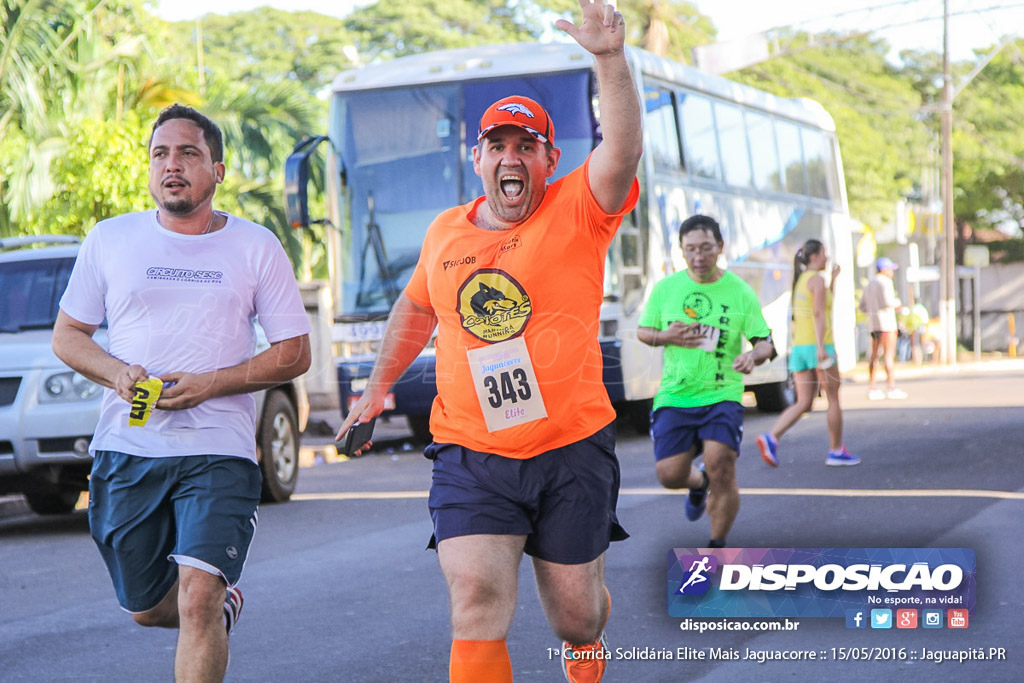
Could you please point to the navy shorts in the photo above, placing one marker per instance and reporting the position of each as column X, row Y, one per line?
column 146, row 514
column 563, row 500
column 675, row 430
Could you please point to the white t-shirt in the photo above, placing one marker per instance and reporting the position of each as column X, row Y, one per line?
column 880, row 303
column 183, row 303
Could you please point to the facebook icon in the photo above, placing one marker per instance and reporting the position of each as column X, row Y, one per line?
column 855, row 618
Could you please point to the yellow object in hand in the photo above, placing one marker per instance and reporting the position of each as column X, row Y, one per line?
column 146, row 393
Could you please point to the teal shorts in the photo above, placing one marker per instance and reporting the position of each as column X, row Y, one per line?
column 805, row 357
column 149, row 515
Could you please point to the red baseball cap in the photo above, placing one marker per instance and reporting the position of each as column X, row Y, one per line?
column 518, row 111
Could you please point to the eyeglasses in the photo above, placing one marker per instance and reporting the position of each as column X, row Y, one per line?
column 703, row 249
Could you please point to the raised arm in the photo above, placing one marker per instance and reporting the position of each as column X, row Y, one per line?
column 602, row 32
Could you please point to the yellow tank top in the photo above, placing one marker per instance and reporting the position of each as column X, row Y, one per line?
column 803, row 311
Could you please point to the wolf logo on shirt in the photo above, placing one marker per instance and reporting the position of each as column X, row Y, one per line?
column 488, row 301
column 493, row 306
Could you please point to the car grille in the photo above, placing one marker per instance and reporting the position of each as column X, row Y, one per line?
column 8, row 389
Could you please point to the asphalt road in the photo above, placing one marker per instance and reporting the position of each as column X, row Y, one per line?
column 339, row 587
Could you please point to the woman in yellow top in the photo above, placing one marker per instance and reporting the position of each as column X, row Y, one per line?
column 812, row 356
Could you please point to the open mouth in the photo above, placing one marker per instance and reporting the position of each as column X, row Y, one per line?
column 174, row 183
column 511, row 186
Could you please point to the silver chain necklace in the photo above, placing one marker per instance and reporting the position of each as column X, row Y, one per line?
column 207, row 229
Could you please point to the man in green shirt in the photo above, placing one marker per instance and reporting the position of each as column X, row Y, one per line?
column 700, row 316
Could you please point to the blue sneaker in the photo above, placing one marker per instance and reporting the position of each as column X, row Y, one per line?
column 769, row 449
column 697, row 499
column 842, row 458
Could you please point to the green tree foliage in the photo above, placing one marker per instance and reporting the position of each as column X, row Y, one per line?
column 265, row 46
column 393, row 28
column 60, row 63
column 988, row 169
column 102, row 173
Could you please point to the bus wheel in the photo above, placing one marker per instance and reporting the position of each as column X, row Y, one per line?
column 638, row 415
column 775, row 397
column 419, row 425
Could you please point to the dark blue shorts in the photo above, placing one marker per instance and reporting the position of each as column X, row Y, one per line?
column 563, row 500
column 675, row 430
column 146, row 514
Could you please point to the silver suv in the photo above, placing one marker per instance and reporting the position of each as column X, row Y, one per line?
column 48, row 411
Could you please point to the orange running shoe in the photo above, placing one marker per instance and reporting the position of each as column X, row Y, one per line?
column 585, row 663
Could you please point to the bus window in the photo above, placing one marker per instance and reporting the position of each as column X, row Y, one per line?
column 700, row 150
column 732, row 141
column 820, row 160
column 662, row 131
column 401, row 154
column 763, row 153
column 791, row 155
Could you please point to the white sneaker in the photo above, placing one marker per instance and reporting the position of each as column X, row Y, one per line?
column 875, row 394
column 895, row 394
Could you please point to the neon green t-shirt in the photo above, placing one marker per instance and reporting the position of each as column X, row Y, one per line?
column 729, row 310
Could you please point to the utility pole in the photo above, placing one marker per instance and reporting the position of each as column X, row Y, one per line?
column 947, row 273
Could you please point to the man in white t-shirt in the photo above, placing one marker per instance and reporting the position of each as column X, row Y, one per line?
column 879, row 302
column 173, row 495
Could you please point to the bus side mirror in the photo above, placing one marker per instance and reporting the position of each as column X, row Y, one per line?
column 296, row 179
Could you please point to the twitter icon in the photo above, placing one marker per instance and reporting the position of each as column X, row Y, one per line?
column 881, row 618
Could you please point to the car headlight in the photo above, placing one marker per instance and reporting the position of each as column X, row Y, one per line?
column 67, row 386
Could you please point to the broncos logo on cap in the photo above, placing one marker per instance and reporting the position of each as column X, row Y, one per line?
column 514, row 108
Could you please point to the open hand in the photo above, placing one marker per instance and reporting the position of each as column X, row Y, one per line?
column 602, row 30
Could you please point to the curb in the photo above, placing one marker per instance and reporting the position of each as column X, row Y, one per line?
column 859, row 373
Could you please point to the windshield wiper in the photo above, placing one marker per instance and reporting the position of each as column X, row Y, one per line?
column 375, row 239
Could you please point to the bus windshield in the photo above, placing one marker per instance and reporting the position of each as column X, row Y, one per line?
column 406, row 155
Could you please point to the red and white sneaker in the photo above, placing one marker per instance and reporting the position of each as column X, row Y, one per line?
column 232, row 607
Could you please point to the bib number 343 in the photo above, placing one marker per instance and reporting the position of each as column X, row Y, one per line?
column 506, row 385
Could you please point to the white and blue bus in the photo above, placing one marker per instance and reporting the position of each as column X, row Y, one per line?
column 399, row 152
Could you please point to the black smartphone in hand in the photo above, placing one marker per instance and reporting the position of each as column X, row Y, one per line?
column 357, row 437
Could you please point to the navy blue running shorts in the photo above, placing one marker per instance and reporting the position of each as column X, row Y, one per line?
column 146, row 514
column 562, row 500
column 675, row 430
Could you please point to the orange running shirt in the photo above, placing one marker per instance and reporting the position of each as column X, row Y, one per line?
column 542, row 281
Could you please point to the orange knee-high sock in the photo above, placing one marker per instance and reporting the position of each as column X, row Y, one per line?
column 480, row 661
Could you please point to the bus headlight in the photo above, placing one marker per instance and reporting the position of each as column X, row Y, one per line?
column 67, row 386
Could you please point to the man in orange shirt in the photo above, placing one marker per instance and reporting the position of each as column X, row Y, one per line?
column 523, row 450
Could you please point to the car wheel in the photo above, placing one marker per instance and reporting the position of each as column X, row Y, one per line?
column 58, row 501
column 776, row 396
column 278, row 444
